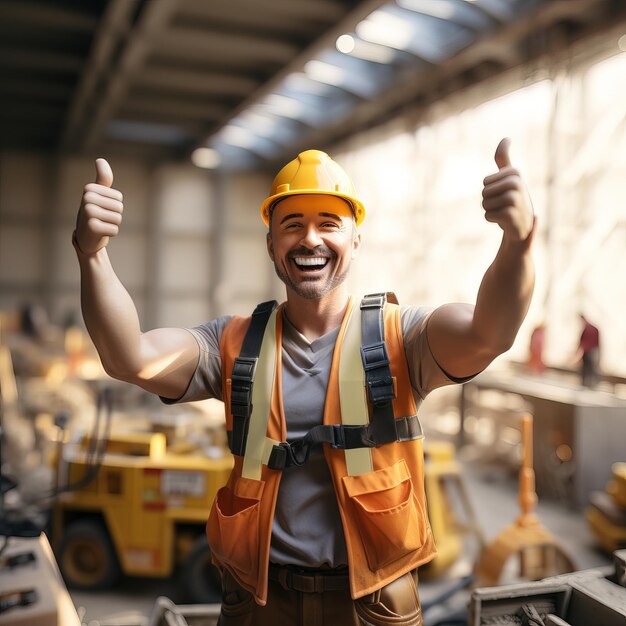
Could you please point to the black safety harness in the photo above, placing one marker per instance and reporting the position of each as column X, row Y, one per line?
column 383, row 427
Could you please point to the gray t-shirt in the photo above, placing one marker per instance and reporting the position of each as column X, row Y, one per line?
column 307, row 529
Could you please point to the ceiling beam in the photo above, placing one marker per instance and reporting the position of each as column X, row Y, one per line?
column 36, row 89
column 154, row 16
column 21, row 13
column 35, row 112
column 114, row 25
column 326, row 41
column 198, row 82
column 190, row 126
column 173, row 108
column 229, row 47
column 39, row 61
column 429, row 84
column 290, row 16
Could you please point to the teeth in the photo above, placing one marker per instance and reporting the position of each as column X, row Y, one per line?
column 310, row 260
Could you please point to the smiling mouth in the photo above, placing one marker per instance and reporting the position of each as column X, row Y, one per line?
column 310, row 263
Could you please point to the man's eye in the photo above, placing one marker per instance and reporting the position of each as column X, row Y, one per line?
column 330, row 225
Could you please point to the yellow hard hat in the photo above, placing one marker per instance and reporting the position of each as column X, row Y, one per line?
column 312, row 171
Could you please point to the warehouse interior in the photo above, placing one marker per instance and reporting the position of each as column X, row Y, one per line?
column 196, row 106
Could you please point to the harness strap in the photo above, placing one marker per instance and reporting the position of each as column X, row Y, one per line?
column 377, row 368
column 242, row 379
column 341, row 436
column 357, row 434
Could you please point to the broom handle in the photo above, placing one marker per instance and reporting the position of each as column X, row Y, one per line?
column 527, row 497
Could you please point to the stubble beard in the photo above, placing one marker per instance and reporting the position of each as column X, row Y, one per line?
column 311, row 290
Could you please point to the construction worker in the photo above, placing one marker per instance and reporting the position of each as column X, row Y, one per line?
column 588, row 353
column 321, row 396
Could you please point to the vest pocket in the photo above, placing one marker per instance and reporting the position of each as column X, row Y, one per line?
column 389, row 518
column 233, row 525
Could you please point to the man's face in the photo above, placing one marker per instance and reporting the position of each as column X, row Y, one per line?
column 312, row 241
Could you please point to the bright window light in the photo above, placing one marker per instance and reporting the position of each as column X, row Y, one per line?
column 386, row 29
column 325, row 73
column 345, row 43
column 372, row 52
column 301, row 82
column 207, row 158
column 436, row 8
column 284, row 106
column 237, row 136
column 258, row 122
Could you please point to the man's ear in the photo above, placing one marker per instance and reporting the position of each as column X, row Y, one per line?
column 356, row 244
column 270, row 245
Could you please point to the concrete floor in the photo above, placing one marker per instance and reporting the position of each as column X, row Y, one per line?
column 494, row 494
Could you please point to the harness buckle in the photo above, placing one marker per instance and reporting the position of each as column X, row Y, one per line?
column 297, row 452
column 244, row 368
column 374, row 301
column 376, row 361
column 375, row 356
column 351, row 436
column 242, row 378
column 339, row 441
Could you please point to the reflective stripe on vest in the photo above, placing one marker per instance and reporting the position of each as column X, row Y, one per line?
column 383, row 511
column 363, row 369
column 353, row 398
column 258, row 445
column 352, row 392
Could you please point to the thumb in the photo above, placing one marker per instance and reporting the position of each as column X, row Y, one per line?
column 104, row 173
column 502, row 153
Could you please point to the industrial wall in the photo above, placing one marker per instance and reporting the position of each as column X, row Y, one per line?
column 426, row 237
column 168, row 254
column 192, row 245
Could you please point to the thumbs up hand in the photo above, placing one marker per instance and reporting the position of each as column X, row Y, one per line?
column 505, row 199
column 100, row 212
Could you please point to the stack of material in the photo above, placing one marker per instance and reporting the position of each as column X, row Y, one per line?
column 586, row 598
column 606, row 514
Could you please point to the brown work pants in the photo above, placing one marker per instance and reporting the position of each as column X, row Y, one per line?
column 396, row 604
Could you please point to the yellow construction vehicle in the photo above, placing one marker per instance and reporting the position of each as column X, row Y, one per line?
column 606, row 513
column 142, row 513
column 452, row 517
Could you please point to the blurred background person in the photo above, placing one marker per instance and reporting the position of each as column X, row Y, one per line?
column 588, row 353
column 535, row 353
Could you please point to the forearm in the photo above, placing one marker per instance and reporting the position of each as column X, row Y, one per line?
column 110, row 315
column 161, row 361
column 504, row 296
column 463, row 338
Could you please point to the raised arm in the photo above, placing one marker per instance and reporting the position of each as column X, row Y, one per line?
column 463, row 338
column 161, row 361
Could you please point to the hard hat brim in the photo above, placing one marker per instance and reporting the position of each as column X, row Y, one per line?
column 357, row 206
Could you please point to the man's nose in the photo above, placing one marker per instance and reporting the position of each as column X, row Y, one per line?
column 311, row 237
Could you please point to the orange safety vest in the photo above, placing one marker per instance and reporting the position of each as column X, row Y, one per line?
column 380, row 490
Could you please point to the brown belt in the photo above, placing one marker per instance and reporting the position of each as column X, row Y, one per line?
column 310, row 581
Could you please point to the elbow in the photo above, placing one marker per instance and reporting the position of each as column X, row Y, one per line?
column 113, row 371
column 499, row 346
column 120, row 372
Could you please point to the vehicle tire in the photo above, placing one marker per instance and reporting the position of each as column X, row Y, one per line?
column 199, row 576
column 87, row 557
